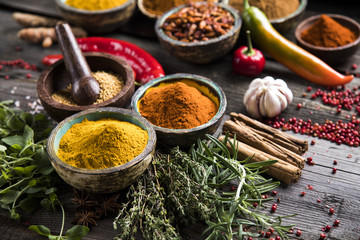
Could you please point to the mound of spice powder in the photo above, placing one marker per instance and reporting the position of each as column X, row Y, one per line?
column 101, row 144
column 177, row 106
column 326, row 32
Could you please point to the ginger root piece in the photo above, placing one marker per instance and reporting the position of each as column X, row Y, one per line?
column 46, row 36
column 31, row 20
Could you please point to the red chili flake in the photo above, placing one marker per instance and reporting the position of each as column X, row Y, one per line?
column 336, row 222
column 302, row 194
column 334, row 170
column 298, row 233
column 331, row 210
column 354, row 66
column 299, row 105
column 322, row 235
column 335, row 162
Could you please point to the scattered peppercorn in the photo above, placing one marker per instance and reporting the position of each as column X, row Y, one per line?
column 339, row 132
column 302, row 194
column 255, row 204
column 327, row 228
column 318, row 200
column 331, row 210
column 336, row 222
column 277, row 238
column 308, row 89
column 274, row 207
column 354, row 66
column 334, row 170
column 312, row 142
column 274, row 192
column 298, row 233
column 271, row 230
column 267, row 234
column 322, row 235
column 299, row 105
column 335, row 162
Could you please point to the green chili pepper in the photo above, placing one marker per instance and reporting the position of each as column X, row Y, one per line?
column 286, row 52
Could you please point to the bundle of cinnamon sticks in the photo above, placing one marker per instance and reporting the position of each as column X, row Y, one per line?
column 263, row 142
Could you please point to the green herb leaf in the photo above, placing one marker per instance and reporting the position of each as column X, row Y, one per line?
column 15, row 123
column 29, row 204
column 77, row 232
column 13, row 141
column 40, row 229
column 9, row 196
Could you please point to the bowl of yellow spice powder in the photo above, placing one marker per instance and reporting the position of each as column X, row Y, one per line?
column 181, row 107
column 97, row 16
column 115, row 77
column 101, row 150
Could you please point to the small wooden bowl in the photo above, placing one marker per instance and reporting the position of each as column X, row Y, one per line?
column 100, row 21
column 332, row 56
column 285, row 24
column 55, row 78
column 185, row 137
column 102, row 180
column 203, row 51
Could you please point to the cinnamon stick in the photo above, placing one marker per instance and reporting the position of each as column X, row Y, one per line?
column 246, row 135
column 281, row 170
column 280, row 137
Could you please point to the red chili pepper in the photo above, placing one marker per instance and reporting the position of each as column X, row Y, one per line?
column 145, row 66
column 248, row 60
column 50, row 59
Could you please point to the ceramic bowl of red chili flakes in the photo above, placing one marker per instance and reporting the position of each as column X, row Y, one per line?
column 333, row 38
column 199, row 32
column 181, row 107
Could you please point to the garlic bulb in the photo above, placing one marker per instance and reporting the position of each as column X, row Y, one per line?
column 267, row 97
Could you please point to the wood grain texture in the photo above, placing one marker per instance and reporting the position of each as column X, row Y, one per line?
column 340, row 190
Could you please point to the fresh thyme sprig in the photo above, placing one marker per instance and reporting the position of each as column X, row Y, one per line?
column 181, row 188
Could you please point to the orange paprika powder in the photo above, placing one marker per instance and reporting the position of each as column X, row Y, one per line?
column 177, row 106
column 326, row 32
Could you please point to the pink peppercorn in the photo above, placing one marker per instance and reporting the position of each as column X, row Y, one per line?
column 277, row 238
column 322, row 235
column 302, row 194
column 327, row 228
column 331, row 210
column 298, row 233
column 354, row 66
column 28, row 75
column 336, row 222
column 299, row 105
column 334, row 170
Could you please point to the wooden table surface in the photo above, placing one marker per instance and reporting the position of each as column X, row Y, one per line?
column 340, row 190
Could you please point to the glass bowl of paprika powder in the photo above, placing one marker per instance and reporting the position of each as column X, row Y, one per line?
column 334, row 45
column 101, row 150
column 181, row 107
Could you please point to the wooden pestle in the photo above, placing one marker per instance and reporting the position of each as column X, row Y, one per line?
column 84, row 87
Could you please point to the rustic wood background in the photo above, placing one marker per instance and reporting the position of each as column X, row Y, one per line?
column 340, row 190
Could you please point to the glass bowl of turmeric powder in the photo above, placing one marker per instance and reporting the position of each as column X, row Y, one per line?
column 96, row 17
column 101, row 150
column 333, row 38
column 181, row 107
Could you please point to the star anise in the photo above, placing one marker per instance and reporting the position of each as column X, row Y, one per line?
column 82, row 200
column 107, row 204
column 85, row 218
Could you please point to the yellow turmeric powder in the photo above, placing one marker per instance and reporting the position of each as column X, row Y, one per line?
column 101, row 144
column 94, row 5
